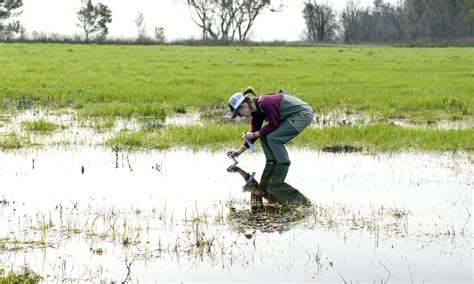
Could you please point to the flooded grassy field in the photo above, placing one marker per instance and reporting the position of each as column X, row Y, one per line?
column 113, row 166
column 103, row 215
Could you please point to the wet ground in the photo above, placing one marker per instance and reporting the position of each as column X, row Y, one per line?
column 95, row 214
column 76, row 131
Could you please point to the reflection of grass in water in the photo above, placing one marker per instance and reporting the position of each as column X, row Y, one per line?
column 375, row 137
column 201, row 234
column 40, row 125
column 127, row 227
column 25, row 276
column 13, row 140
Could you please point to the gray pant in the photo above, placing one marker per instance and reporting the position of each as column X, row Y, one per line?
column 273, row 143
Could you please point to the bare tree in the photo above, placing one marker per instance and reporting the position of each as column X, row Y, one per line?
column 226, row 19
column 469, row 18
column 408, row 20
column 8, row 11
column 94, row 19
column 141, row 28
column 448, row 18
column 395, row 19
column 349, row 20
column 202, row 15
column 320, row 21
column 160, row 34
column 249, row 11
column 385, row 20
column 415, row 11
column 438, row 19
column 226, row 12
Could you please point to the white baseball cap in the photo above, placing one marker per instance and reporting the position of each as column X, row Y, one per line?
column 234, row 103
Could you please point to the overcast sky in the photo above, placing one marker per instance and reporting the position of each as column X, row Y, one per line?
column 59, row 16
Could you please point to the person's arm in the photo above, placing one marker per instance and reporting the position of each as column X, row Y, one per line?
column 256, row 125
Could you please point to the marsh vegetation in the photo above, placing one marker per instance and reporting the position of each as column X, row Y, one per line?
column 113, row 165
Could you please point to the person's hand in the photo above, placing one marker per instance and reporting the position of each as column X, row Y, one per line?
column 250, row 135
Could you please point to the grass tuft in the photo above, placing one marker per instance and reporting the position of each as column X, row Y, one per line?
column 27, row 276
column 12, row 140
column 388, row 138
column 40, row 125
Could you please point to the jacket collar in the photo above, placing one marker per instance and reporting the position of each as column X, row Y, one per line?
column 257, row 104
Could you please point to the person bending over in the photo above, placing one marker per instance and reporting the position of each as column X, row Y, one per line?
column 287, row 116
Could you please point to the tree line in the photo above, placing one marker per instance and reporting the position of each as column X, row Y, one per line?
column 406, row 21
column 232, row 21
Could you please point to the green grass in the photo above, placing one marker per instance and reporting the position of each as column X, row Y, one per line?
column 196, row 137
column 40, row 125
column 100, row 80
column 372, row 138
column 106, row 81
column 27, row 276
column 381, row 137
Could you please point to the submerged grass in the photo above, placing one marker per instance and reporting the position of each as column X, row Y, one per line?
column 120, row 109
column 40, row 125
column 413, row 83
column 195, row 233
column 12, row 140
column 375, row 137
column 27, row 276
column 97, row 123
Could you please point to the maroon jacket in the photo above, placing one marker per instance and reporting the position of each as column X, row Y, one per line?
column 268, row 108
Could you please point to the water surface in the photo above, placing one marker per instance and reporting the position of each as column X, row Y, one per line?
column 95, row 214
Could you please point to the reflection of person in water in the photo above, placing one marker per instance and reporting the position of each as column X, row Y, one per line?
column 285, row 204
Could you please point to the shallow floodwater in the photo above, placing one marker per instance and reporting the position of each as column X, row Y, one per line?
column 97, row 214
